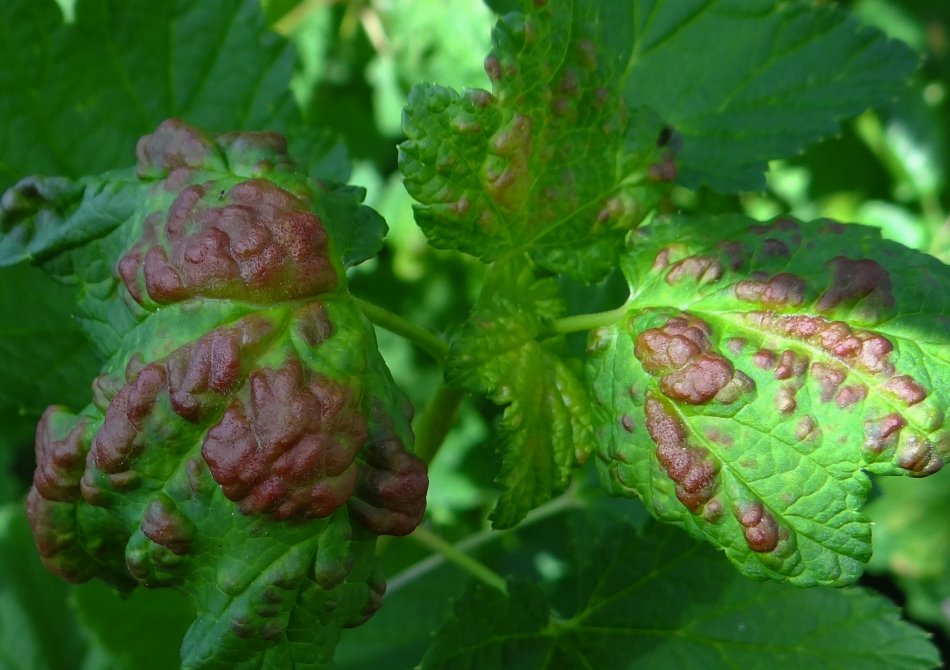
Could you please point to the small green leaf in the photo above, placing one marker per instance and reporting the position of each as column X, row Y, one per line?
column 658, row 601
column 759, row 371
column 546, row 425
column 547, row 163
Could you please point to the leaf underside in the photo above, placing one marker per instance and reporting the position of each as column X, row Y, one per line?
column 760, row 371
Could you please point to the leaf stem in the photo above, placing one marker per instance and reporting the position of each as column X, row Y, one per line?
column 582, row 322
column 567, row 500
column 435, row 421
column 452, row 553
column 425, row 339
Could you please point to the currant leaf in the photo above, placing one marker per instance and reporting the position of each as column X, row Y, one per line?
column 546, row 425
column 245, row 443
column 760, row 371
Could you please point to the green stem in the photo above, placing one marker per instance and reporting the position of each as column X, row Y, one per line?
column 567, row 500
column 425, row 339
column 582, row 322
column 427, row 538
column 435, row 421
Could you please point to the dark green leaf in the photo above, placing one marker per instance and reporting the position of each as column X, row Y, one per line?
column 546, row 424
column 82, row 93
column 659, row 601
column 759, row 371
column 46, row 355
column 746, row 81
column 37, row 630
column 141, row 631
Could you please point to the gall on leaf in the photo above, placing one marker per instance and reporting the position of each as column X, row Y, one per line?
column 760, row 371
column 246, row 443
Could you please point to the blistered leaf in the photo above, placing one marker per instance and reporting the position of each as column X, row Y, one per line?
column 759, row 372
column 659, row 601
column 595, row 103
column 514, row 170
column 245, row 443
column 546, row 424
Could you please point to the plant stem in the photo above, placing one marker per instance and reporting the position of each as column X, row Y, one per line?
column 426, row 340
column 427, row 538
column 565, row 501
column 582, row 322
column 435, row 421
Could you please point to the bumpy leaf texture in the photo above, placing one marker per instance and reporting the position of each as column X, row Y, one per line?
column 595, row 104
column 760, row 370
column 245, row 443
column 546, row 425
column 656, row 600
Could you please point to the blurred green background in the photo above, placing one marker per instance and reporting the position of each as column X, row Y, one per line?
column 354, row 65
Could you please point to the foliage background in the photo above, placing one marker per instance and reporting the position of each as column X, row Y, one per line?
column 87, row 78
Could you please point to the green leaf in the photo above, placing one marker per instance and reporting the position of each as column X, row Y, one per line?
column 759, row 371
column 37, row 630
column 45, row 352
column 245, row 443
column 89, row 88
column 548, row 163
column 142, row 630
column 559, row 158
column 546, row 425
column 747, row 81
column 659, row 601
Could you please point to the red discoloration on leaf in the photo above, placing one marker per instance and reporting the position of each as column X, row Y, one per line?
column 864, row 350
column 857, row 280
column 758, row 526
column 906, row 389
column 829, row 378
column 627, row 422
column 56, row 533
column 262, row 244
column 703, row 269
column 691, row 468
column 390, row 497
column 851, row 395
column 289, row 450
column 883, row 433
column 785, row 400
column 59, row 462
column 174, row 144
column 773, row 248
column 699, row 381
column 116, row 442
column 764, row 359
column 807, row 430
column 680, row 353
column 778, row 291
column 199, row 374
column 791, row 365
column 918, row 456
column 163, row 524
